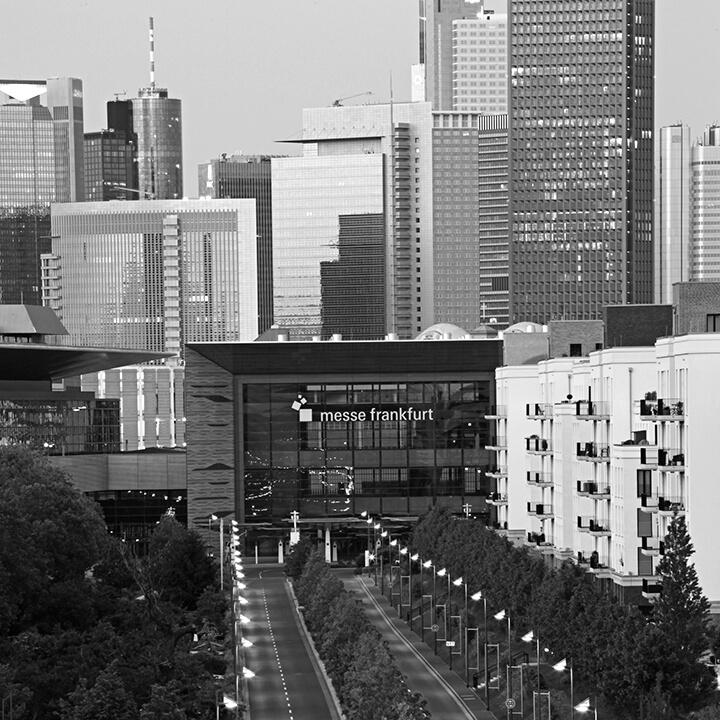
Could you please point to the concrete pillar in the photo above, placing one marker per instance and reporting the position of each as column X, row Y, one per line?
column 281, row 558
column 328, row 547
column 334, row 552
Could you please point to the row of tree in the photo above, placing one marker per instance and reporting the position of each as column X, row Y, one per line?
column 363, row 672
column 645, row 665
column 87, row 630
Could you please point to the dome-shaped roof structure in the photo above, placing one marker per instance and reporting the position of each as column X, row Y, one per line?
column 488, row 330
column 442, row 331
column 526, row 327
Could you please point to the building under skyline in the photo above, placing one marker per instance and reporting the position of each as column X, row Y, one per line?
column 247, row 176
column 581, row 157
column 705, row 197
column 110, row 166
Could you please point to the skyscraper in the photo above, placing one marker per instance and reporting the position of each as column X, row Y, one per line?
column 705, row 193
column 110, row 166
column 40, row 162
column 157, row 122
column 581, row 150
column 247, row 176
column 674, row 211
column 361, row 165
column 463, row 57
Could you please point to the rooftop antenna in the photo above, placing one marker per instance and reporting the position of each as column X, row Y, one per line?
column 152, row 54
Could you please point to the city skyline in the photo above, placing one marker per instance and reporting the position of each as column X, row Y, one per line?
column 113, row 58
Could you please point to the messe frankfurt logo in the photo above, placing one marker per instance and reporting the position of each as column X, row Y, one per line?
column 304, row 414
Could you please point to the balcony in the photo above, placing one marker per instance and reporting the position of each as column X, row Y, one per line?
column 651, row 588
column 583, row 560
column 649, row 503
column 652, row 546
column 670, row 506
column 538, row 411
column 538, row 446
column 593, row 452
column 535, row 538
column 496, row 498
column 593, row 526
column 499, row 471
column 496, row 412
column 591, row 410
column 662, row 410
column 671, row 460
column 540, row 510
column 497, row 443
column 592, row 489
column 539, row 479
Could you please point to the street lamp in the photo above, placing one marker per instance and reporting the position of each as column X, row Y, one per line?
column 529, row 637
column 585, row 706
column 502, row 615
column 475, row 597
column 561, row 666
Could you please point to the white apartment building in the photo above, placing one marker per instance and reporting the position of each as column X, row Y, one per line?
column 595, row 455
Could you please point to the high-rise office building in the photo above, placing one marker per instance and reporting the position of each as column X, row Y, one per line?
column 705, row 194
column 673, row 211
column 463, row 57
column 581, row 150
column 362, row 187
column 40, row 162
column 247, row 176
column 152, row 275
column 157, row 123
column 470, row 219
column 110, row 166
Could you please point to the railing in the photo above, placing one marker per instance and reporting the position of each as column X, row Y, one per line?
column 593, row 450
column 671, row 457
column 539, row 509
column 582, row 558
column 592, row 409
column 538, row 410
column 496, row 411
column 651, row 587
column 498, row 470
column 539, row 478
column 671, row 504
column 592, row 524
column 592, row 489
column 536, row 538
column 652, row 545
column 497, row 442
column 662, row 409
column 536, row 444
column 496, row 497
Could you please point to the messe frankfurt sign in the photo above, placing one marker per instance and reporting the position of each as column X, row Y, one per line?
column 363, row 413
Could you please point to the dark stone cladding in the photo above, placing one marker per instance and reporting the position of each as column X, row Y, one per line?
column 381, row 357
column 211, row 466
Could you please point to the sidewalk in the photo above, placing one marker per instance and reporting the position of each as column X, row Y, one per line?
column 447, row 696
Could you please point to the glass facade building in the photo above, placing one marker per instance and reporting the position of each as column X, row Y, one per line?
column 247, row 176
column 110, row 166
column 705, row 193
column 157, row 123
column 581, row 150
column 329, row 245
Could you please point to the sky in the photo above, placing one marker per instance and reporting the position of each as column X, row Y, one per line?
column 244, row 69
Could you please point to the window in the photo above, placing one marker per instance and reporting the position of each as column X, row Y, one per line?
column 575, row 350
column 712, row 323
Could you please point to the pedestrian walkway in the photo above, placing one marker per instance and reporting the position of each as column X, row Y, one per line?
column 447, row 696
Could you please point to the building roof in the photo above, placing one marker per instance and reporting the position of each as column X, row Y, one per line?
column 35, row 361
column 29, row 320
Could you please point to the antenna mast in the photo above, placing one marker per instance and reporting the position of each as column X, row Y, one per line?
column 152, row 55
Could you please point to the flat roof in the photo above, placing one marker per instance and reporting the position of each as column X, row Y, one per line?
column 346, row 357
column 36, row 361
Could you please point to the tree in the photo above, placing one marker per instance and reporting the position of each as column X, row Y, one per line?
column 681, row 615
column 297, row 557
column 107, row 699
column 165, row 703
column 50, row 536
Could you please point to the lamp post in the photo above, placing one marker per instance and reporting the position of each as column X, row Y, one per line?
column 457, row 583
column 529, row 637
column 425, row 565
column 585, row 706
column 222, row 558
column 502, row 615
column 383, row 534
column 413, row 558
column 475, row 597
column 402, row 552
column 561, row 666
column 448, row 606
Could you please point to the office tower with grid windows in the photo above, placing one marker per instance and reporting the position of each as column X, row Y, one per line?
column 673, row 211
column 462, row 57
column 247, row 176
column 152, row 275
column 705, row 198
column 470, row 219
column 110, row 166
column 362, row 188
column 581, row 156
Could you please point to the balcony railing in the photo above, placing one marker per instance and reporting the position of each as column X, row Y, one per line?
column 496, row 498
column 536, row 538
column 649, row 503
column 498, row 471
column 538, row 410
column 540, row 479
column 497, row 443
column 593, row 525
column 539, row 509
column 592, row 489
column 593, row 451
column 592, row 410
column 651, row 588
column 662, row 409
column 496, row 412
column 671, row 458
column 583, row 559
column 534, row 444
column 671, row 505
column 652, row 546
